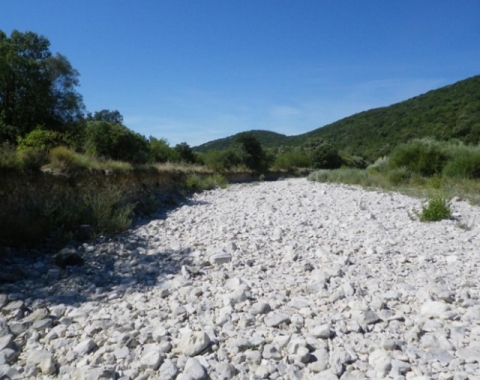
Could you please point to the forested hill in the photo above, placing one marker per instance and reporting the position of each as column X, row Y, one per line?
column 449, row 112
column 266, row 138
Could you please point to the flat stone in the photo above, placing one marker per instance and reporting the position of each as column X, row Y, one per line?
column 440, row 355
column 276, row 319
column 219, row 258
column 7, row 342
column 85, row 347
column 260, row 308
column 323, row 331
column 434, row 309
column 470, row 355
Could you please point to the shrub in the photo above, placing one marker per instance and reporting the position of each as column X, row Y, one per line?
column 292, row 160
column 160, row 152
column 325, row 156
column 32, row 159
column 185, row 153
column 425, row 157
column 8, row 158
column 62, row 158
column 107, row 212
column 221, row 160
column 437, row 209
column 398, row 176
column 381, row 164
column 353, row 161
column 196, row 182
column 41, row 139
column 115, row 141
column 465, row 163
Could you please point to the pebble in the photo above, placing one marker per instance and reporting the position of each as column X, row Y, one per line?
column 276, row 280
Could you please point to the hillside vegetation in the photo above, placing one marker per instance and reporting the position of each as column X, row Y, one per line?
column 268, row 139
column 451, row 112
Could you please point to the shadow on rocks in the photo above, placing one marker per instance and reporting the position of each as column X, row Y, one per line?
column 100, row 270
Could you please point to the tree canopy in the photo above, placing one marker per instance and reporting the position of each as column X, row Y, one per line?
column 36, row 87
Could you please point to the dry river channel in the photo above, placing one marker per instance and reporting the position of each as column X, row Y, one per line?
column 275, row 280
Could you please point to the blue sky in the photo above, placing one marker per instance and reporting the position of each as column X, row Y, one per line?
column 198, row 70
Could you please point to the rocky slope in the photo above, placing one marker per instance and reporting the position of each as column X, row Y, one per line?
column 283, row 280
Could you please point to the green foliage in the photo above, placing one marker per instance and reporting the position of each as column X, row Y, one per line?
column 106, row 116
column 185, row 153
column 398, row 176
column 32, row 159
column 29, row 159
column 115, row 141
column 353, row 161
column 425, row 157
column 437, row 209
column 252, row 153
column 221, row 160
column 36, row 87
column 349, row 176
column 293, row 159
column 41, row 139
column 196, row 182
column 107, row 212
column 266, row 138
column 160, row 151
column 449, row 112
column 465, row 163
column 325, row 156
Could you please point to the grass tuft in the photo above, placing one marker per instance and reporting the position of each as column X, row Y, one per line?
column 436, row 210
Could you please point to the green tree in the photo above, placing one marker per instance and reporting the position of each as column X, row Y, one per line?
column 36, row 87
column 115, row 141
column 253, row 155
column 185, row 152
column 160, row 151
column 106, row 115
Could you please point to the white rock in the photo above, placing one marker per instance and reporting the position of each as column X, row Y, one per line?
column 151, row 359
column 220, row 258
column 85, row 347
column 194, row 343
column 42, row 359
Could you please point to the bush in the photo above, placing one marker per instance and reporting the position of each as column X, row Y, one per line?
column 41, row 139
column 198, row 183
column 356, row 162
column 325, row 156
column 8, row 158
column 115, row 141
column 107, row 212
column 293, row 160
column 185, row 153
column 399, row 176
column 437, row 209
column 464, row 164
column 160, row 152
column 221, row 160
column 425, row 157
column 32, row 159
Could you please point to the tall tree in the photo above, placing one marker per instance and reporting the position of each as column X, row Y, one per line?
column 36, row 87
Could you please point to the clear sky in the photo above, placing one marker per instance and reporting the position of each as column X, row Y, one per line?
column 198, row 70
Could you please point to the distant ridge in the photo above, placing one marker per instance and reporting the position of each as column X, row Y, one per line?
column 267, row 139
column 450, row 112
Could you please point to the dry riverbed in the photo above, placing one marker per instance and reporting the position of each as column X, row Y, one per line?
column 276, row 280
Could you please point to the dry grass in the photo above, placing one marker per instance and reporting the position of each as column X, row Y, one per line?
column 412, row 185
